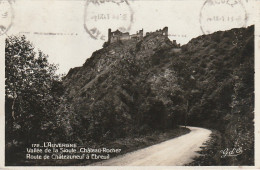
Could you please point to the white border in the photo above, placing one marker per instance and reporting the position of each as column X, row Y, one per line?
column 257, row 117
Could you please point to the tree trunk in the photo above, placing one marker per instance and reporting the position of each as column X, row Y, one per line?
column 13, row 108
column 15, row 97
column 186, row 114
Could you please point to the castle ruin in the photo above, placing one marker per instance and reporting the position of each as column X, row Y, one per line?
column 117, row 35
column 163, row 31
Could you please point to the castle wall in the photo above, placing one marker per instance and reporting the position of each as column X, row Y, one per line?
column 119, row 36
column 125, row 36
column 114, row 39
column 138, row 35
column 163, row 31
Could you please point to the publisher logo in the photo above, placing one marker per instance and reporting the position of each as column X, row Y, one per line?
column 231, row 152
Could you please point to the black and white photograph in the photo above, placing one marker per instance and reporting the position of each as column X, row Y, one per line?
column 129, row 83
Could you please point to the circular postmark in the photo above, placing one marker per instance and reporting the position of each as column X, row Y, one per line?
column 217, row 15
column 6, row 16
column 100, row 15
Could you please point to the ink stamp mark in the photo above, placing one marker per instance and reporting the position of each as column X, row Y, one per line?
column 216, row 15
column 100, row 15
column 6, row 16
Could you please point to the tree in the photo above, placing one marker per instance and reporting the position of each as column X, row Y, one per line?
column 32, row 91
column 187, row 83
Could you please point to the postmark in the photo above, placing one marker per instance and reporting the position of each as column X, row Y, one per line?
column 6, row 16
column 216, row 15
column 100, row 15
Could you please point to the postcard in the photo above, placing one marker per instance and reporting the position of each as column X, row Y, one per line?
column 129, row 84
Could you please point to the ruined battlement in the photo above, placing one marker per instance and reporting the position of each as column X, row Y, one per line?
column 163, row 31
column 120, row 36
column 117, row 35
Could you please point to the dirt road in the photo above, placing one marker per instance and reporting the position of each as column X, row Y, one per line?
column 174, row 152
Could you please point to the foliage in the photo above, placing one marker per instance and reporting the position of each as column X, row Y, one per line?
column 225, row 99
column 130, row 89
column 32, row 92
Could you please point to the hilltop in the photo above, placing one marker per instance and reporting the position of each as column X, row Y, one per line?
column 131, row 88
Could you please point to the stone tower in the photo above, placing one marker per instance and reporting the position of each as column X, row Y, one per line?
column 165, row 31
column 109, row 35
column 141, row 32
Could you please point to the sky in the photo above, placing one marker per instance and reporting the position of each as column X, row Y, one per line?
column 69, row 31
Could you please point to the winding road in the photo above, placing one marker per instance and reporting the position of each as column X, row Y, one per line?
column 175, row 152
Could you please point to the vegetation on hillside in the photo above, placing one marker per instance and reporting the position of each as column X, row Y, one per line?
column 130, row 89
column 150, row 86
column 32, row 96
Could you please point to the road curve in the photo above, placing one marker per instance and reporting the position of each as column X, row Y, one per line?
column 175, row 152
